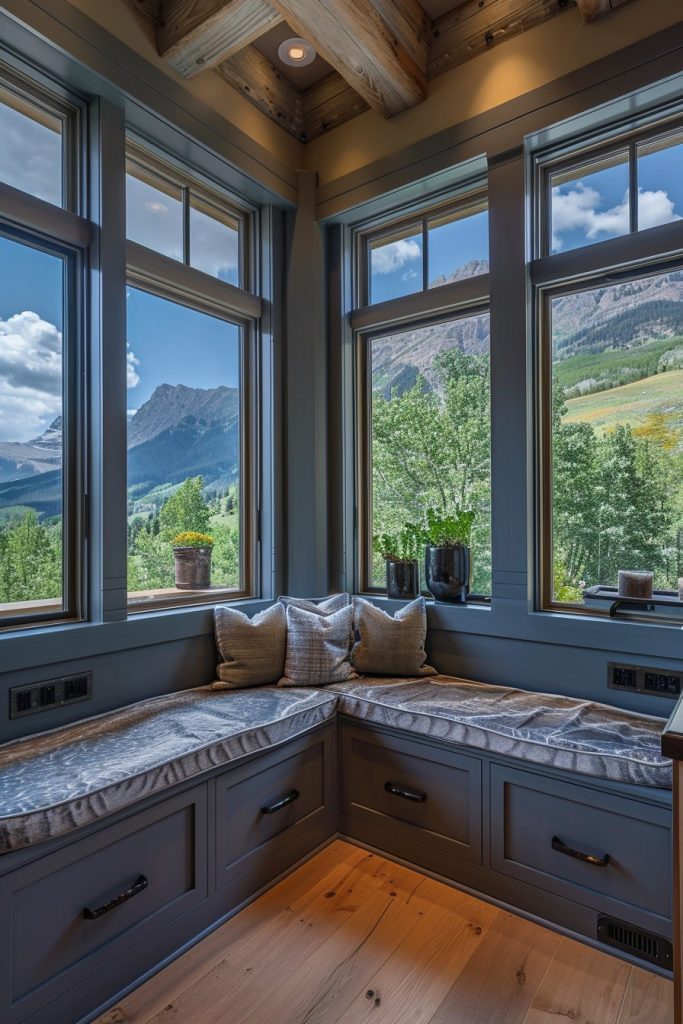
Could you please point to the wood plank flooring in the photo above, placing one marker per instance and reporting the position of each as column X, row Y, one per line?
column 352, row 938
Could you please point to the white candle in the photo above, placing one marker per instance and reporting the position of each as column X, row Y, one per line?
column 635, row 584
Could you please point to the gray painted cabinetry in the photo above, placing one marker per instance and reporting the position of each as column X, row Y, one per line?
column 513, row 833
column 84, row 919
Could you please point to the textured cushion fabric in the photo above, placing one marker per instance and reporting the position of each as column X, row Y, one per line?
column 328, row 606
column 390, row 645
column 318, row 647
column 58, row 781
column 253, row 650
column 560, row 732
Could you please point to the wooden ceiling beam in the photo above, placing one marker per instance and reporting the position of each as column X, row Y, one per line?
column 592, row 9
column 254, row 76
column 329, row 103
column 478, row 25
column 379, row 46
column 194, row 35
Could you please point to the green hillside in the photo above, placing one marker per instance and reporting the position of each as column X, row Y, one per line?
column 652, row 406
column 614, row 367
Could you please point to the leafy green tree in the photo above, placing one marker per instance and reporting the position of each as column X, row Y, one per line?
column 431, row 447
column 30, row 560
column 187, row 509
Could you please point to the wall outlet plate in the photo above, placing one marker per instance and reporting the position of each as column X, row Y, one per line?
column 658, row 682
column 48, row 694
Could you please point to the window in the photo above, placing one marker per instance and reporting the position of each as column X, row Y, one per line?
column 188, row 356
column 611, row 360
column 424, row 401
column 32, row 151
column 431, row 431
column 449, row 245
column 591, row 200
column 172, row 214
column 41, row 276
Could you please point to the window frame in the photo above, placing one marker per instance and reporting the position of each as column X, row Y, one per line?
column 633, row 256
column 169, row 279
column 62, row 231
column 454, row 301
column 190, row 183
column 471, row 198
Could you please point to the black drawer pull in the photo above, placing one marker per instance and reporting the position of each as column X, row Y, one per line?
column 417, row 798
column 137, row 886
column 587, row 858
column 279, row 804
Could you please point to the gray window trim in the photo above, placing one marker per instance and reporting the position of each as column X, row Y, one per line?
column 638, row 254
column 454, row 301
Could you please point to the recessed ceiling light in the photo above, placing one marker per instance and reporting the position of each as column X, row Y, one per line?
column 297, row 53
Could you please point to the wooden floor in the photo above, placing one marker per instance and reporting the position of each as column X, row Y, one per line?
column 353, row 938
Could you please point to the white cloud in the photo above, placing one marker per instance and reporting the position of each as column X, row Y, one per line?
column 30, row 155
column 155, row 220
column 30, row 376
column 389, row 258
column 132, row 376
column 578, row 210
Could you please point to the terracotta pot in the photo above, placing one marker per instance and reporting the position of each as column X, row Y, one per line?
column 192, row 568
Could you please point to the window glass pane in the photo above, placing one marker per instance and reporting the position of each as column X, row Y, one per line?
column 617, row 434
column 154, row 211
column 214, row 241
column 183, row 442
column 660, row 181
column 31, row 380
column 31, row 150
column 590, row 203
column 431, row 432
column 396, row 266
column 458, row 246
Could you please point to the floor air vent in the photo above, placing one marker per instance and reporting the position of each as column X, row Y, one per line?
column 635, row 941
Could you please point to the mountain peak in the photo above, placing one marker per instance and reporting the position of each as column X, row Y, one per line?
column 170, row 405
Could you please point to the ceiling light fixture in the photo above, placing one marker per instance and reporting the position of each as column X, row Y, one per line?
column 297, row 53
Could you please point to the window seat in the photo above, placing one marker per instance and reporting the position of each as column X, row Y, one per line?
column 547, row 729
column 59, row 781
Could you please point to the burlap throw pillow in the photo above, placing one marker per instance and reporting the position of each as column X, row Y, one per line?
column 318, row 647
column 388, row 645
column 252, row 650
column 328, row 606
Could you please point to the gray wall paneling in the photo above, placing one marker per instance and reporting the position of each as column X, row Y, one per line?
column 306, row 462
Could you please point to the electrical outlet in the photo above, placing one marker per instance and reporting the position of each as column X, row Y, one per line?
column 51, row 693
column 637, row 679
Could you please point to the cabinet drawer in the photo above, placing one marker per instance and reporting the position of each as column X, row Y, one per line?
column 76, row 910
column 538, row 825
column 414, row 789
column 270, row 801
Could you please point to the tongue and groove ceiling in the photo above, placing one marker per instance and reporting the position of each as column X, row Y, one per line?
column 378, row 54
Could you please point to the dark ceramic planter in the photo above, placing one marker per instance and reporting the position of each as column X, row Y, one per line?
column 192, row 568
column 403, row 580
column 447, row 572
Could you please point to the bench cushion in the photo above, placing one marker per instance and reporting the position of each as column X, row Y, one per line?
column 61, row 780
column 548, row 729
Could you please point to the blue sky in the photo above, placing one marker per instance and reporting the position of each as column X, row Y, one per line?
column 171, row 344
column 396, row 267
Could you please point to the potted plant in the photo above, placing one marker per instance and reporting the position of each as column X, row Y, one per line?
column 448, row 564
column 400, row 551
column 192, row 554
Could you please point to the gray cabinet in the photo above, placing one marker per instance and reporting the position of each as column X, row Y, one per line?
column 68, row 915
column 271, row 812
column 416, row 791
column 94, row 914
column 598, row 849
